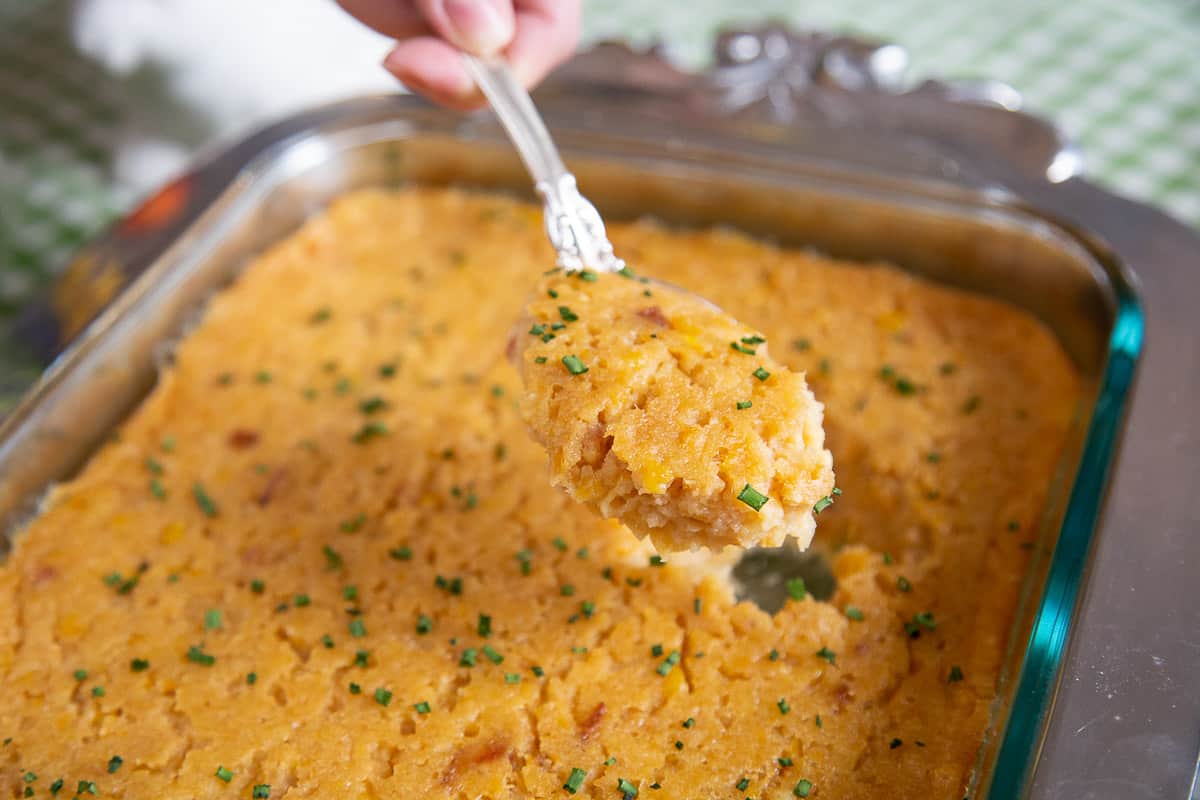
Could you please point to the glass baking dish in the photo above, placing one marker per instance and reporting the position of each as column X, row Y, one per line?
column 798, row 185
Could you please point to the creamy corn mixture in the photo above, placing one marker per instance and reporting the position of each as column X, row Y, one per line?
column 663, row 412
column 323, row 558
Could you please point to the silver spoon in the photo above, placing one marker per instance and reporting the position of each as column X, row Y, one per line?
column 574, row 226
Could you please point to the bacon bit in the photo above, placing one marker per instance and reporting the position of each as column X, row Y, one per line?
column 273, row 483
column 467, row 758
column 588, row 727
column 655, row 315
column 241, row 438
column 43, row 573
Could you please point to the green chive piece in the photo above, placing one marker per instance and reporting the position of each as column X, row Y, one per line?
column 490, row 653
column 257, row 586
column 56, row 787
column 81, row 674
column 742, row 785
column 827, row 654
column 817, row 721
column 668, row 663
column 468, row 658
column 371, row 405
column 587, row 275
column 196, row 655
column 628, row 790
column 689, row 722
column 261, row 791
column 369, row 431
column 354, row 524
column 362, row 658
column 327, row 641
column 512, row 677
column 401, row 553
column 567, row 314
column 575, row 781
column 29, row 777
column 97, row 691
column 822, row 504
column 802, row 788
column 773, row 655
column 383, row 696
column 538, row 672
column 302, row 600
column 903, row 584
column 894, row 743
column 801, row 344
column 752, row 497
column 574, row 365
column 139, row 665
column 796, row 589
column 88, row 787
column 784, row 761
column 742, row 405
column 854, row 613
column 212, row 619
column 761, row 374
column 422, row 707
column 350, row 592
column 566, row 590
column 358, row 628
column 224, row 774
column 355, row 688
column 956, row 674
column 206, row 504
column 424, row 624
column 484, row 627
column 251, row 678
column 784, row 706
column 114, row 764
column 157, row 489
column 657, row 561
column 1013, row 525
column 333, row 559
column 741, row 348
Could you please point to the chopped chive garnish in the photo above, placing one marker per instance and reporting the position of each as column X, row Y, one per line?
column 668, row 663
column 741, row 348
column 512, row 677
column 358, row 628
column 923, row 620
column 29, row 777
column 761, row 374
column 588, row 608
column 369, row 431
column 421, row 707
column 354, row 524
column 538, row 672
column 451, row 585
column 261, row 791
column 55, row 787
column 224, row 774
column 574, row 365
column 484, row 627
column 262, row 376
column 139, row 665
column 206, row 504
column 802, row 788
column 372, row 404
column 354, row 688
column 854, row 613
column 388, row 370
column 628, row 790
column 784, row 761
column 212, row 619
column 350, row 592
column 742, row 405
column 902, row 583
column 81, row 674
column 575, row 781
column 657, row 561
column 933, row 458
column 972, row 404
column 424, row 624
column 257, row 586
column 827, row 654
column 302, row 600
column 566, row 590
column 97, row 691
column 251, row 678
column 491, row 655
column 742, row 785
column 157, row 489
column 822, row 504
column 567, row 314
column 333, row 559
column 894, row 743
column 540, row 360
column 362, row 658
column 327, row 641
column 783, row 705
column 322, row 314
column 167, row 445
column 801, row 344
column 383, row 696
column 752, row 497
column 1013, row 525
column 114, row 764
column 656, row 650
column 956, row 674
column 817, row 721
column 468, row 658
column 196, row 655
column 587, row 275
column 402, row 553
column 796, row 589
column 689, row 722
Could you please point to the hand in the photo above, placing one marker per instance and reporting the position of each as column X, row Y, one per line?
column 533, row 36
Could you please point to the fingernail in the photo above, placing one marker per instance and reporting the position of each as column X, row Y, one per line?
column 479, row 26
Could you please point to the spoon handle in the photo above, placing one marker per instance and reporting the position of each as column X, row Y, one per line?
column 572, row 223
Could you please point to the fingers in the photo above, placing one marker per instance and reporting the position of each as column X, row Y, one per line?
column 430, row 66
column 395, row 18
column 481, row 27
column 547, row 32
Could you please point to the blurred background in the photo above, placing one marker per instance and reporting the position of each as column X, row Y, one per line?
column 101, row 100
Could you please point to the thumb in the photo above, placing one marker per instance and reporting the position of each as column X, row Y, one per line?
column 480, row 27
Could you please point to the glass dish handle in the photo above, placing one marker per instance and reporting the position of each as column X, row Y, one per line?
column 573, row 225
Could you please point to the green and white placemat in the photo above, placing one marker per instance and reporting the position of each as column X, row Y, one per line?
column 1123, row 78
